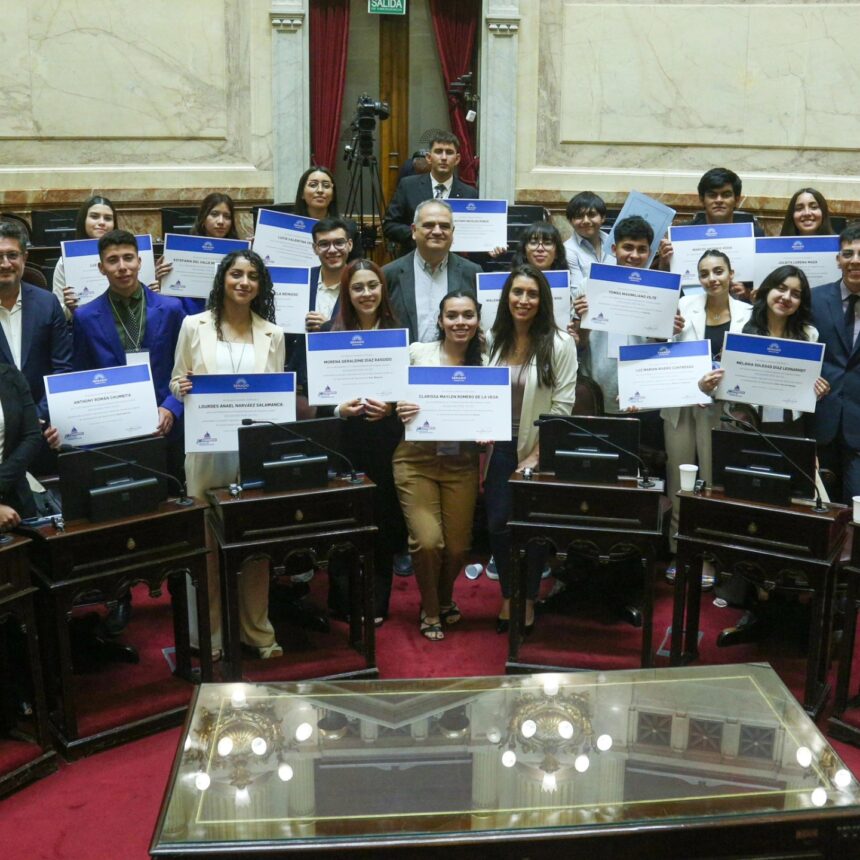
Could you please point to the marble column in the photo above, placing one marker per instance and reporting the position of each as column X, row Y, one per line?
column 291, row 91
column 497, row 109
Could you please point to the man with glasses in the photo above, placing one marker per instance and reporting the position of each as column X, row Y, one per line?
column 332, row 245
column 836, row 315
column 418, row 282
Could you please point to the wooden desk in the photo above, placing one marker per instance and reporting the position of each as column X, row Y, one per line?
column 111, row 557
column 836, row 726
column 792, row 549
column 16, row 607
column 604, row 521
column 282, row 524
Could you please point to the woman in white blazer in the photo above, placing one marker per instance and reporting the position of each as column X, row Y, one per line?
column 542, row 360
column 236, row 335
column 707, row 316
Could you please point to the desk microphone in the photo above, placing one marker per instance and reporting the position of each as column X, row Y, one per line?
column 643, row 481
column 353, row 477
column 183, row 499
column 820, row 507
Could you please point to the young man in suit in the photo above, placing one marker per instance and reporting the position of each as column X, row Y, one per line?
column 419, row 281
column 333, row 246
column 836, row 315
column 439, row 184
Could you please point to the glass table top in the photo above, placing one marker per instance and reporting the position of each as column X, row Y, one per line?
column 321, row 762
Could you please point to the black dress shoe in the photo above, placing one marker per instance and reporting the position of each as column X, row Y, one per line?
column 118, row 617
column 631, row 614
column 748, row 629
column 503, row 625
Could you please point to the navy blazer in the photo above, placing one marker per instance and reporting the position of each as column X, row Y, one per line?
column 412, row 190
column 97, row 344
column 400, row 277
column 22, row 440
column 837, row 414
column 46, row 346
column 315, row 282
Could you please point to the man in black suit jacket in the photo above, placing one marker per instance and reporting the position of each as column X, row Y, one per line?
column 34, row 336
column 440, row 183
column 421, row 279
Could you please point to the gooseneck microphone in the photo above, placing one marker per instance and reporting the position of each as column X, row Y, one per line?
column 644, row 479
column 183, row 499
column 353, row 476
column 820, row 507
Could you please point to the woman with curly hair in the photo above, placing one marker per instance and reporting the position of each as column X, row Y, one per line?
column 237, row 334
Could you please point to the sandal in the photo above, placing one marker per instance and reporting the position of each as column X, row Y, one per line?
column 267, row 652
column 450, row 614
column 431, row 630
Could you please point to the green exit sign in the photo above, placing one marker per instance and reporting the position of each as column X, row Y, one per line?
column 386, row 7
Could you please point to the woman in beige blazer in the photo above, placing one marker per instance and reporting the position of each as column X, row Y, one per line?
column 236, row 335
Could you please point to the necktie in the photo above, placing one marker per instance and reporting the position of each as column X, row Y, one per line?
column 850, row 312
column 130, row 323
column 440, row 191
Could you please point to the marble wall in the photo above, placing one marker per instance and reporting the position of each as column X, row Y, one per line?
column 648, row 95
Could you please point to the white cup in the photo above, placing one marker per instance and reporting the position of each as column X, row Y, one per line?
column 688, row 476
column 856, row 500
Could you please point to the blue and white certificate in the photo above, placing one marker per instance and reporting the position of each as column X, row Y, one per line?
column 815, row 255
column 81, row 265
column 689, row 242
column 654, row 375
column 347, row 365
column 490, row 291
column 657, row 214
column 282, row 239
column 89, row 407
column 631, row 301
column 195, row 260
column 219, row 401
column 770, row 371
column 479, row 225
column 292, row 285
column 460, row 404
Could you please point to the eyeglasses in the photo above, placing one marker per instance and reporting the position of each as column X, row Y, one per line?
column 537, row 243
column 316, row 183
column 11, row 256
column 325, row 244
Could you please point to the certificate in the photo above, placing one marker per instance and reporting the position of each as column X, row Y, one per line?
column 460, row 404
column 89, row 407
column 657, row 214
column 282, row 239
column 81, row 265
column 479, row 225
column 292, row 287
column 815, row 255
column 631, row 301
column 736, row 241
column 219, row 401
column 490, row 291
column 654, row 375
column 770, row 371
column 346, row 365
column 195, row 260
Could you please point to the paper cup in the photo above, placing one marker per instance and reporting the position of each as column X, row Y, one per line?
column 688, row 476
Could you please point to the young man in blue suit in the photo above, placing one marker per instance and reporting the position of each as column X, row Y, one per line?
column 836, row 315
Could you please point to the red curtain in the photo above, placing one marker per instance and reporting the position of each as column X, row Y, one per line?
column 455, row 23
column 329, row 35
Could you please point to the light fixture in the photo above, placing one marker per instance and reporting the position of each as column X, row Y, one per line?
column 304, row 731
column 225, row 746
column 818, row 796
column 285, row 772
column 804, row 756
column 202, row 781
column 259, row 746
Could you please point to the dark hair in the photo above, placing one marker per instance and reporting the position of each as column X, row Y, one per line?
column 582, row 202
column 264, row 302
column 717, row 177
column 851, row 233
column 301, row 208
column 546, row 231
column 114, row 238
column 475, row 349
column 445, row 137
column 13, row 230
column 713, row 252
column 81, row 218
column 210, row 201
column 326, row 225
column 541, row 333
column 347, row 318
column 789, row 228
column 634, row 227
column 796, row 323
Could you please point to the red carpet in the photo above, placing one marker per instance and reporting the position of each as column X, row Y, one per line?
column 106, row 805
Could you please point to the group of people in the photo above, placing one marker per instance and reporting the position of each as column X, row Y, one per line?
column 424, row 490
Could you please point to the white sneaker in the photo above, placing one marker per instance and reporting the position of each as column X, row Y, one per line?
column 474, row 571
column 490, row 569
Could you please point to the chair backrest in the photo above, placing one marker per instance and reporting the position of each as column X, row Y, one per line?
column 589, row 397
column 34, row 275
